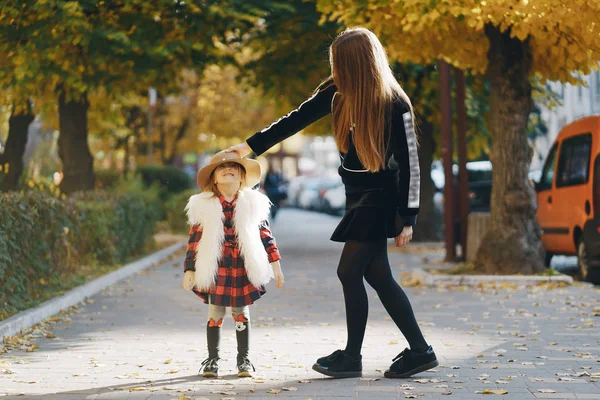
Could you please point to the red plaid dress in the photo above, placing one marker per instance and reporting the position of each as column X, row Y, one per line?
column 233, row 289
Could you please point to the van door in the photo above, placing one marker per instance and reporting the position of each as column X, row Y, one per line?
column 544, row 197
column 571, row 191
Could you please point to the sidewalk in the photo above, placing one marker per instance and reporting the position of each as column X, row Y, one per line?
column 144, row 338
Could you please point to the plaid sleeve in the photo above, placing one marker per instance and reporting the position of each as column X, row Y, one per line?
column 269, row 242
column 190, row 257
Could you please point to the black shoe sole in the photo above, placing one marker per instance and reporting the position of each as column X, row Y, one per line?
column 422, row 368
column 333, row 374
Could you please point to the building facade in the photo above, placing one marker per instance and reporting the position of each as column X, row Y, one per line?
column 576, row 102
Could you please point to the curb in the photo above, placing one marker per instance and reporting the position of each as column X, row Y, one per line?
column 35, row 315
column 429, row 279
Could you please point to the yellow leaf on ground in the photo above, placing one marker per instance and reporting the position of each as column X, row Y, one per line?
column 494, row 391
column 169, row 361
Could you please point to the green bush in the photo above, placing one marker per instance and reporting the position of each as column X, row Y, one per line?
column 107, row 178
column 174, row 208
column 170, row 180
column 46, row 240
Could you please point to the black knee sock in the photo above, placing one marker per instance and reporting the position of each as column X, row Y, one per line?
column 242, row 333
column 213, row 339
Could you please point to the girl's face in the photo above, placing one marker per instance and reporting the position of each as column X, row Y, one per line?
column 226, row 173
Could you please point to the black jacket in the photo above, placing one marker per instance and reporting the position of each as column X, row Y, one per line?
column 400, row 179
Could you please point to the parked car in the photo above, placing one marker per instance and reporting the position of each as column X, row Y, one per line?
column 334, row 200
column 310, row 195
column 568, row 195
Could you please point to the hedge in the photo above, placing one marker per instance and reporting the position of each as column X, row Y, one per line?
column 174, row 209
column 170, row 180
column 47, row 241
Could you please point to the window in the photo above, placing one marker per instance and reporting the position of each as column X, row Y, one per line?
column 596, row 188
column 548, row 171
column 598, row 88
column 574, row 161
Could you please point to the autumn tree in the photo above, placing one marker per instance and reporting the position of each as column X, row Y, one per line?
column 69, row 49
column 510, row 41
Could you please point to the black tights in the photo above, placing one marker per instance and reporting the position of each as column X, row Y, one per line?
column 370, row 260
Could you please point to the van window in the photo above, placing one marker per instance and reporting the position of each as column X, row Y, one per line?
column 596, row 188
column 548, row 171
column 574, row 161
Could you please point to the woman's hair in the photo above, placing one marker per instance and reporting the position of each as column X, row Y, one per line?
column 212, row 186
column 366, row 91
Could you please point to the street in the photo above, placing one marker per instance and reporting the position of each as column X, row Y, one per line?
column 144, row 338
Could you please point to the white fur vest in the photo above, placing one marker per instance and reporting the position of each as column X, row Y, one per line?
column 251, row 209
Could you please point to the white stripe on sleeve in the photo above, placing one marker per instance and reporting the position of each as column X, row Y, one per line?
column 414, row 186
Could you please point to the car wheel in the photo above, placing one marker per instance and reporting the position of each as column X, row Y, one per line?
column 548, row 259
column 583, row 264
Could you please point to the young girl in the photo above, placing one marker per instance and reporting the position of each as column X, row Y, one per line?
column 374, row 131
column 229, row 251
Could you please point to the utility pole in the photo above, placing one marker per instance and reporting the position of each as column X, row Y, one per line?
column 152, row 105
column 463, row 177
column 445, row 106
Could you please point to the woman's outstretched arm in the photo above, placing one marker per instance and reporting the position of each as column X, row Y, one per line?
column 307, row 113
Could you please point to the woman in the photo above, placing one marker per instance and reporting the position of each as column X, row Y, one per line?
column 374, row 131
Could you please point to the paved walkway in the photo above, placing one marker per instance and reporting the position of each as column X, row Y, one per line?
column 144, row 338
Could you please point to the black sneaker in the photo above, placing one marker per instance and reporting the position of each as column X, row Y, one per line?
column 244, row 367
column 324, row 361
column 409, row 363
column 339, row 365
column 210, row 368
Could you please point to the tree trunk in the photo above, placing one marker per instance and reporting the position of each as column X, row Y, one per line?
column 77, row 161
column 513, row 242
column 180, row 135
column 429, row 221
column 12, row 157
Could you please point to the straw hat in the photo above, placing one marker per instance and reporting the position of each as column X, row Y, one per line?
column 252, row 168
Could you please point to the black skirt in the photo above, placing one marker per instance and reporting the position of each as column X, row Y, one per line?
column 369, row 216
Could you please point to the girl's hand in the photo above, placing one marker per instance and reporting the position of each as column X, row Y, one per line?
column 189, row 280
column 279, row 279
column 405, row 237
column 241, row 149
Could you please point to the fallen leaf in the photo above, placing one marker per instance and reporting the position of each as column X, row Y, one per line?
column 420, row 380
column 169, row 361
column 494, row 391
column 50, row 335
column 289, row 389
column 224, row 392
column 369, row 379
column 546, row 390
column 273, row 391
column 448, row 393
column 173, row 371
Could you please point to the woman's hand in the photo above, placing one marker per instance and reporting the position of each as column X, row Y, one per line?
column 279, row 280
column 189, row 280
column 241, row 149
column 405, row 237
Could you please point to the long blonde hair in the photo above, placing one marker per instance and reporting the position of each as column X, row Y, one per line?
column 366, row 91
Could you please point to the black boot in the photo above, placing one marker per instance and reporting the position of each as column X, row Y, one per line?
column 210, row 366
column 242, row 333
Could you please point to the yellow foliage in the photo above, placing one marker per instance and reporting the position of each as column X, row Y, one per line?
column 564, row 35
